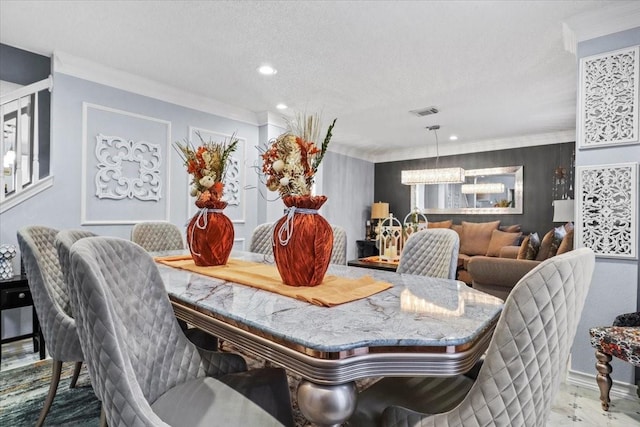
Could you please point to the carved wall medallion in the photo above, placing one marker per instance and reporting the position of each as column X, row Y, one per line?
column 607, row 209
column 609, row 98
column 127, row 169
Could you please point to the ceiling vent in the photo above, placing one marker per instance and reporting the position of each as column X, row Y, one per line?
column 424, row 111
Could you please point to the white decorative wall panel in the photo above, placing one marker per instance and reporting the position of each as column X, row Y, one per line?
column 125, row 167
column 609, row 98
column 607, row 209
column 234, row 181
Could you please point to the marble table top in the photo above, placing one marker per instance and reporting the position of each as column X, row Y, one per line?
column 416, row 311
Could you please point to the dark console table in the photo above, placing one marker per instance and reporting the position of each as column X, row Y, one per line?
column 15, row 293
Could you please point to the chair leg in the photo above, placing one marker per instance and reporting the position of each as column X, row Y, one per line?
column 53, row 388
column 76, row 374
column 603, row 378
column 103, row 417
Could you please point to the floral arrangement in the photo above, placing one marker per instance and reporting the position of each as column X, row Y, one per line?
column 291, row 161
column 207, row 165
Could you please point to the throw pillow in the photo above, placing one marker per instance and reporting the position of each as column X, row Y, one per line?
column 558, row 236
column 440, row 224
column 567, row 243
column 530, row 247
column 515, row 228
column 499, row 239
column 545, row 245
column 522, row 253
column 476, row 237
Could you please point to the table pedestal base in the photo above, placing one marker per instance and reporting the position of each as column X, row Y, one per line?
column 327, row 405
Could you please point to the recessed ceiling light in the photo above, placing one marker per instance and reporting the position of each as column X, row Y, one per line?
column 453, row 138
column 281, row 107
column 267, row 70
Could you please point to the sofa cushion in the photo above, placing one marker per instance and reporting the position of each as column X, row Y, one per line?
column 476, row 237
column 567, row 243
column 440, row 224
column 550, row 243
column 515, row 228
column 500, row 239
column 530, row 247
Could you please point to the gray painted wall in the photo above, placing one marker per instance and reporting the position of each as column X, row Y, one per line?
column 615, row 286
column 348, row 185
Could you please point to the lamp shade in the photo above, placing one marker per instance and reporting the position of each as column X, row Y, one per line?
column 563, row 210
column 379, row 210
column 483, row 188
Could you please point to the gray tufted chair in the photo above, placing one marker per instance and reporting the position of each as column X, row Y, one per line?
column 157, row 236
column 523, row 367
column 261, row 242
column 431, row 252
column 339, row 253
column 51, row 301
column 144, row 370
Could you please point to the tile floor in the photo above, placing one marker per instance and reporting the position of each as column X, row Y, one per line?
column 575, row 406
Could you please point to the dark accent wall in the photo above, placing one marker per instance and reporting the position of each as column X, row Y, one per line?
column 539, row 164
column 23, row 68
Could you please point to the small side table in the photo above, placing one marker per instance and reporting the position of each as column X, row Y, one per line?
column 15, row 293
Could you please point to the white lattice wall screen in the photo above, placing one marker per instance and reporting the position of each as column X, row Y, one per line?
column 609, row 98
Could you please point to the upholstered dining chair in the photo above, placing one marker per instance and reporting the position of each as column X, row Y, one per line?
column 164, row 236
column 144, row 370
column 431, row 252
column 339, row 253
column 261, row 239
column 522, row 369
column 51, row 301
column 157, row 236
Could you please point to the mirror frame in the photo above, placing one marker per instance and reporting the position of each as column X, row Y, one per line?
column 518, row 194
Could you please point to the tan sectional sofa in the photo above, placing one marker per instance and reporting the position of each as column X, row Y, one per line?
column 498, row 275
column 480, row 239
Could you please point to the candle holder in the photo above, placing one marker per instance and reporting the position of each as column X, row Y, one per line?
column 390, row 239
column 414, row 221
column 7, row 252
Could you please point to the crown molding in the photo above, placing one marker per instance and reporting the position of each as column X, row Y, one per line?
column 65, row 63
column 269, row 118
column 452, row 149
column 613, row 18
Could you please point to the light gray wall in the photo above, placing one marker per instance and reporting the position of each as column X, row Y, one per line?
column 348, row 184
column 614, row 289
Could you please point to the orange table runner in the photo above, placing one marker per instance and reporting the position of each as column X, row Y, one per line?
column 376, row 258
column 332, row 291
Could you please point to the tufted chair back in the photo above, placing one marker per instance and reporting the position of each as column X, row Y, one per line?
column 51, row 300
column 431, row 252
column 135, row 349
column 49, row 292
column 261, row 239
column 339, row 253
column 63, row 242
column 157, row 236
column 524, row 363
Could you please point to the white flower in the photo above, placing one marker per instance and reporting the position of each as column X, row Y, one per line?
column 207, row 182
column 194, row 191
column 278, row 166
column 284, row 181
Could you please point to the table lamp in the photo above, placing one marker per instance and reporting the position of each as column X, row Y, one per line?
column 563, row 210
column 379, row 211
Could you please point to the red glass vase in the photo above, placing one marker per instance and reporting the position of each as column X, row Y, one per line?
column 210, row 234
column 303, row 242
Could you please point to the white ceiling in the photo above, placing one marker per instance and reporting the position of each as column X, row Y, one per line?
column 497, row 70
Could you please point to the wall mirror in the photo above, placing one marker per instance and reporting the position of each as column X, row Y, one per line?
column 485, row 191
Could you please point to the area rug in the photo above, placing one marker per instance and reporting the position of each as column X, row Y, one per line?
column 23, row 391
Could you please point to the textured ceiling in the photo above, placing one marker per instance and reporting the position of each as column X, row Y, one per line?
column 496, row 70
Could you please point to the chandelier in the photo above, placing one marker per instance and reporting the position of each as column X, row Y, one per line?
column 433, row 176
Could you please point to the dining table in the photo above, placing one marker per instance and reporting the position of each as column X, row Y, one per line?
column 418, row 326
